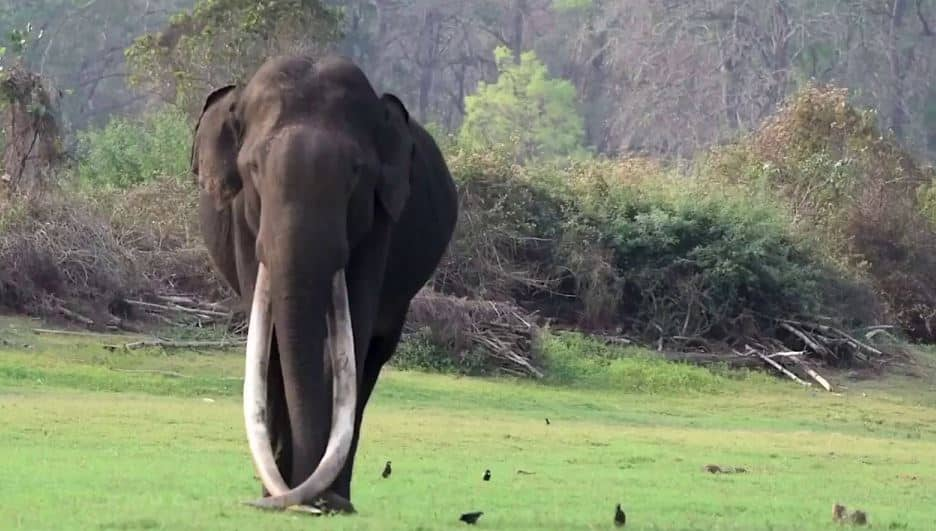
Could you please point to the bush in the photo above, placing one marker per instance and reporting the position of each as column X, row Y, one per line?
column 90, row 250
column 158, row 223
column 421, row 351
column 127, row 152
column 56, row 251
column 851, row 188
column 694, row 263
column 624, row 245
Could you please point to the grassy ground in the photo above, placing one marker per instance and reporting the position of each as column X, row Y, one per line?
column 91, row 439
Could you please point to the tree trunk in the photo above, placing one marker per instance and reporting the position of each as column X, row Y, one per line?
column 428, row 59
column 898, row 9
column 516, row 37
column 32, row 146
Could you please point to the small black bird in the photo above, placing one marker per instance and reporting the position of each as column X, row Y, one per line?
column 619, row 516
column 386, row 470
column 471, row 518
column 487, row 475
column 547, row 421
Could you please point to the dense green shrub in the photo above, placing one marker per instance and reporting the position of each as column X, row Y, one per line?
column 625, row 245
column 127, row 152
column 693, row 261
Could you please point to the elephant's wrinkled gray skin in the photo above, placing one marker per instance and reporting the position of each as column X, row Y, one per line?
column 307, row 169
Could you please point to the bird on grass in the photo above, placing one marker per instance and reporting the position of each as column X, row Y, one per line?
column 487, row 475
column 471, row 518
column 838, row 512
column 547, row 421
column 840, row 515
column 386, row 470
column 859, row 518
column 619, row 516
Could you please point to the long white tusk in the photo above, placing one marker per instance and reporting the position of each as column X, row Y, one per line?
column 340, row 346
column 259, row 334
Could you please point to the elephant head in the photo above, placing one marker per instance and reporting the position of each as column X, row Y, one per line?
column 323, row 164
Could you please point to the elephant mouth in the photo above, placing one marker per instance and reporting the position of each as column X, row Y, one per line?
column 339, row 344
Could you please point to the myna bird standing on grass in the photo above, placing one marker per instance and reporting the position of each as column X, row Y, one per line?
column 471, row 518
column 619, row 516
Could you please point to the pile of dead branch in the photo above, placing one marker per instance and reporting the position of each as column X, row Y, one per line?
column 500, row 331
column 801, row 349
column 187, row 311
column 58, row 258
column 109, row 259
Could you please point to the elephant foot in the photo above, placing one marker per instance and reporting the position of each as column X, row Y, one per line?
column 326, row 503
column 330, row 502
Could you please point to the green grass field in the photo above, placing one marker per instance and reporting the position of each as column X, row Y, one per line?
column 92, row 439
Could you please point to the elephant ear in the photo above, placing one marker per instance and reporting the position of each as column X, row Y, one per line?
column 215, row 145
column 397, row 154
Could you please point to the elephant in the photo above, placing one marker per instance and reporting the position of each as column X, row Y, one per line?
column 326, row 208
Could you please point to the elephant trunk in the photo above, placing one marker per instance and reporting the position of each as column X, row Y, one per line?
column 303, row 343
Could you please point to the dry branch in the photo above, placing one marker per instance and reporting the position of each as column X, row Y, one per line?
column 814, row 375
column 787, row 354
column 72, row 333
column 775, row 365
column 201, row 312
column 75, row 316
column 809, row 341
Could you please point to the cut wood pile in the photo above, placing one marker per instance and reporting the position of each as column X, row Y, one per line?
column 503, row 332
column 816, row 345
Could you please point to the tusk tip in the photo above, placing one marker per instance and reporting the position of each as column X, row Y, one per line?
column 306, row 509
column 271, row 503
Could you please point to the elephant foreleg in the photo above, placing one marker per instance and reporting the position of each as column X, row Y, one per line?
column 379, row 351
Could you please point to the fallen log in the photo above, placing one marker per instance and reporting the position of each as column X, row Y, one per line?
column 89, row 333
column 75, row 316
column 163, row 343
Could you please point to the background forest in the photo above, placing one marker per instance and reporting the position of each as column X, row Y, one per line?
column 693, row 174
column 661, row 77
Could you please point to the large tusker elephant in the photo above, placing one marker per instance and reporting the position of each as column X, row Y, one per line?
column 326, row 208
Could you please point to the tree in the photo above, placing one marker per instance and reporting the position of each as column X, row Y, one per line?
column 32, row 145
column 525, row 105
column 81, row 50
column 220, row 41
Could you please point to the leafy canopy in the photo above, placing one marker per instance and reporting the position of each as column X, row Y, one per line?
column 526, row 108
column 220, row 41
